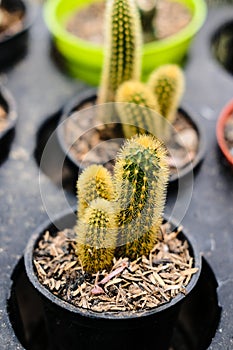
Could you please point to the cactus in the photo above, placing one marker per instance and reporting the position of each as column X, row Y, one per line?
column 134, row 119
column 95, row 181
column 96, row 236
column 141, row 176
column 133, row 218
column 122, row 49
column 167, row 83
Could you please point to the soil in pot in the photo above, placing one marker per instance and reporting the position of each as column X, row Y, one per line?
column 101, row 144
column 228, row 134
column 131, row 286
column 11, row 22
column 79, row 24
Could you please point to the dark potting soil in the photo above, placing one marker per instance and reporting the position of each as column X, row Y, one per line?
column 228, row 134
column 79, row 24
column 10, row 22
column 130, row 285
column 99, row 145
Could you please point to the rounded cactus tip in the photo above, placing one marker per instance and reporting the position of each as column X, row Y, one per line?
column 149, row 142
column 137, row 108
column 136, row 92
column 95, row 181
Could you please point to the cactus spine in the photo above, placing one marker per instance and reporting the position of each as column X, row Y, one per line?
column 141, row 176
column 96, row 236
column 167, row 83
column 122, row 49
column 95, row 181
column 136, row 120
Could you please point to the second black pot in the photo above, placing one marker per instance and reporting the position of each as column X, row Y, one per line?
column 89, row 97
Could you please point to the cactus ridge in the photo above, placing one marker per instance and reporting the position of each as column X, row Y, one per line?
column 141, row 120
column 96, row 236
column 122, row 51
column 95, row 181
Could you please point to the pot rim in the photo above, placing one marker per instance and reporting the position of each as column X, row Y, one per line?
column 188, row 113
column 28, row 261
column 199, row 11
column 223, row 117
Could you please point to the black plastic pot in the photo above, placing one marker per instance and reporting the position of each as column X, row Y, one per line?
column 72, row 328
column 15, row 46
column 90, row 96
column 6, row 135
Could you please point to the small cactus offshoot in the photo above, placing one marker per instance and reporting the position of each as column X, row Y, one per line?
column 134, row 119
column 132, row 214
column 94, row 182
column 167, row 83
column 122, row 59
column 96, row 236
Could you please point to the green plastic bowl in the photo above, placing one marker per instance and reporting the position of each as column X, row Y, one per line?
column 83, row 60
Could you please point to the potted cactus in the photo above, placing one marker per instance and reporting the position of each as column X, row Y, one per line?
column 8, row 117
column 224, row 132
column 14, row 25
column 119, row 82
column 116, row 271
column 77, row 54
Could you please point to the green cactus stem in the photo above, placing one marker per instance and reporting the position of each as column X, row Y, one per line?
column 134, row 119
column 122, row 49
column 96, row 236
column 141, row 176
column 167, row 83
column 95, row 181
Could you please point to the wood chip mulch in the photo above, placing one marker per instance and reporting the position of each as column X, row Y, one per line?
column 130, row 286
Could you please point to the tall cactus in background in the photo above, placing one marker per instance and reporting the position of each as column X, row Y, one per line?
column 167, row 83
column 131, row 220
column 141, row 176
column 94, row 182
column 122, row 59
column 134, row 119
column 96, row 236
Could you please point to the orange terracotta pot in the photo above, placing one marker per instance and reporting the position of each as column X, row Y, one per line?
column 224, row 116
